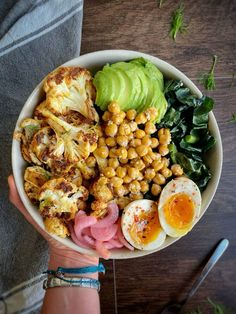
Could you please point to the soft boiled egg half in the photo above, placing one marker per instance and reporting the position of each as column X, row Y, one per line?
column 179, row 206
column 141, row 226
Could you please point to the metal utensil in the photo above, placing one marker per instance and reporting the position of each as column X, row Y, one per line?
column 175, row 308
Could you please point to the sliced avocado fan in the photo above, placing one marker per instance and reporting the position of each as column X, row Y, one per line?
column 137, row 84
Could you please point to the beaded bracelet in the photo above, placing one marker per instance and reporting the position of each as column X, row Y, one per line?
column 53, row 282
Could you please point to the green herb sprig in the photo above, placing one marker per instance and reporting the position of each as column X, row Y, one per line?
column 177, row 22
column 208, row 79
column 161, row 3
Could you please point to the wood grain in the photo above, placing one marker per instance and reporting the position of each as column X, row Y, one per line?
column 145, row 285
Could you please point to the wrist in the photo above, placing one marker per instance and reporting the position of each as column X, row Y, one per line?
column 71, row 259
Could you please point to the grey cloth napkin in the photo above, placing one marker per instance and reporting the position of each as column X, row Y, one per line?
column 36, row 36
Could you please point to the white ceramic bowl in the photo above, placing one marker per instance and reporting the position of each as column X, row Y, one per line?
column 94, row 61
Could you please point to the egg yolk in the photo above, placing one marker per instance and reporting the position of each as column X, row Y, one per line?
column 179, row 210
column 146, row 226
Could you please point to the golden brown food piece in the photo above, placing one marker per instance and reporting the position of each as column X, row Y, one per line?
column 99, row 208
column 56, row 226
column 72, row 142
column 58, row 198
column 101, row 191
column 71, row 88
column 35, row 177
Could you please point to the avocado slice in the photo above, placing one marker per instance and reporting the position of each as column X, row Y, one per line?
column 130, row 71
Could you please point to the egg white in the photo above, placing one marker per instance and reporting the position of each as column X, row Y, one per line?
column 127, row 219
column 179, row 185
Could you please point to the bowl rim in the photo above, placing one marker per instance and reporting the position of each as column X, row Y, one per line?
column 118, row 55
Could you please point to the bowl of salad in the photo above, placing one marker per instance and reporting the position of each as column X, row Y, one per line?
column 117, row 153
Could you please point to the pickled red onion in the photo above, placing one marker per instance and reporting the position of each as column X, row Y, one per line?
column 103, row 234
column 111, row 218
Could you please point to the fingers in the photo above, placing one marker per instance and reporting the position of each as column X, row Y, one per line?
column 15, row 200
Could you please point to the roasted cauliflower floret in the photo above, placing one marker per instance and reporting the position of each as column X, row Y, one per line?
column 29, row 128
column 58, row 198
column 101, row 191
column 56, row 226
column 87, row 172
column 35, row 177
column 72, row 142
column 71, row 88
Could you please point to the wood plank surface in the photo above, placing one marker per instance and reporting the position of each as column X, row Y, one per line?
column 145, row 285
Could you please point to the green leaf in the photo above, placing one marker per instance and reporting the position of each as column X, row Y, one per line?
column 218, row 309
column 208, row 79
column 177, row 22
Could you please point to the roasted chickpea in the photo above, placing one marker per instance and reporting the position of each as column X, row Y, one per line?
column 163, row 149
column 154, row 156
column 122, row 202
column 139, row 133
column 135, row 142
column 102, row 151
column 177, row 170
column 146, row 140
column 166, row 162
column 112, row 153
column 141, row 118
column 119, row 191
column 157, row 165
column 99, row 131
column 124, row 129
column 136, row 196
column 147, row 160
column 113, row 163
column 134, row 187
column 131, row 114
column 110, row 141
column 109, row 172
column 101, row 141
column 121, row 153
column 142, row 150
column 151, row 113
column 150, row 127
column 133, row 173
column 116, row 182
column 123, row 161
column 144, row 186
column 133, row 126
column 91, row 161
column 159, row 179
column 121, row 171
column 132, row 153
column 111, row 129
column 127, row 179
column 114, row 107
column 118, row 118
column 166, row 172
column 138, row 164
column 122, row 140
column 106, row 116
column 149, row 174
column 155, row 189
column 154, row 142
column 164, row 136
column 130, row 136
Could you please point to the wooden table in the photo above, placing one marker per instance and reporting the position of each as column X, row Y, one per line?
column 145, row 285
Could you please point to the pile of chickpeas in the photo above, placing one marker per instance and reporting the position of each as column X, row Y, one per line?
column 135, row 154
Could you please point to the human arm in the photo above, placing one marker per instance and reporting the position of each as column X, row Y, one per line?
column 62, row 300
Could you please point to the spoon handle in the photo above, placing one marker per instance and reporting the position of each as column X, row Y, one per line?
column 219, row 251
